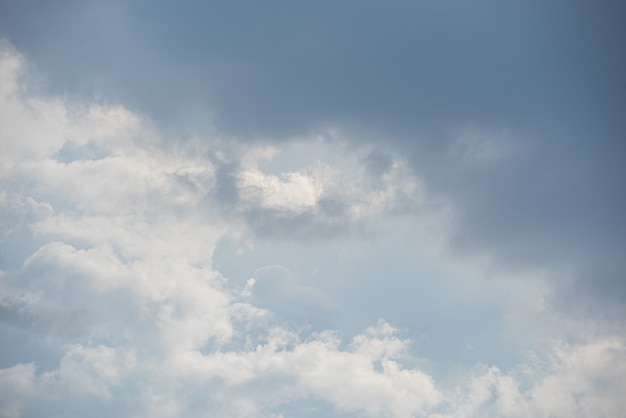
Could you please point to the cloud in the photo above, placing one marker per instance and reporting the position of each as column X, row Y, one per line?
column 362, row 377
column 575, row 380
column 408, row 75
column 122, row 241
column 321, row 199
column 16, row 383
column 115, row 276
column 292, row 192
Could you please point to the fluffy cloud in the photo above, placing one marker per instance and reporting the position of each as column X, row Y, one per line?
column 112, row 232
column 118, row 272
column 363, row 377
column 573, row 380
column 319, row 198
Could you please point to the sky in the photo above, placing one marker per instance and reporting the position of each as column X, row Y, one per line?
column 312, row 209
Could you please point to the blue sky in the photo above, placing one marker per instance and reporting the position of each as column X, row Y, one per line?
column 351, row 209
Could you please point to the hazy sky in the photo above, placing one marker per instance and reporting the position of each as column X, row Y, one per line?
column 312, row 209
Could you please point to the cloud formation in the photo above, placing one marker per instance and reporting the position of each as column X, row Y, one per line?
column 123, row 261
column 112, row 228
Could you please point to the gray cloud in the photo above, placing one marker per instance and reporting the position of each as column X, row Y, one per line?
column 406, row 74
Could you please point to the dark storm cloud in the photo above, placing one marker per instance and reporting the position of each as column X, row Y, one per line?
column 410, row 74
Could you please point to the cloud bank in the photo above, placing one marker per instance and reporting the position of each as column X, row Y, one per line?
column 113, row 303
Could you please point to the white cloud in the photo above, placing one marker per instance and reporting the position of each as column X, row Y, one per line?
column 125, row 243
column 118, row 228
column 582, row 380
column 16, row 386
column 341, row 192
column 292, row 191
column 94, row 370
column 365, row 377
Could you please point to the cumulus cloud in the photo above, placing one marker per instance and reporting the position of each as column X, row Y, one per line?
column 572, row 380
column 321, row 198
column 121, row 238
column 117, row 229
column 363, row 377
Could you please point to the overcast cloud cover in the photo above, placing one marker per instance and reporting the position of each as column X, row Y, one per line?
column 312, row 209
